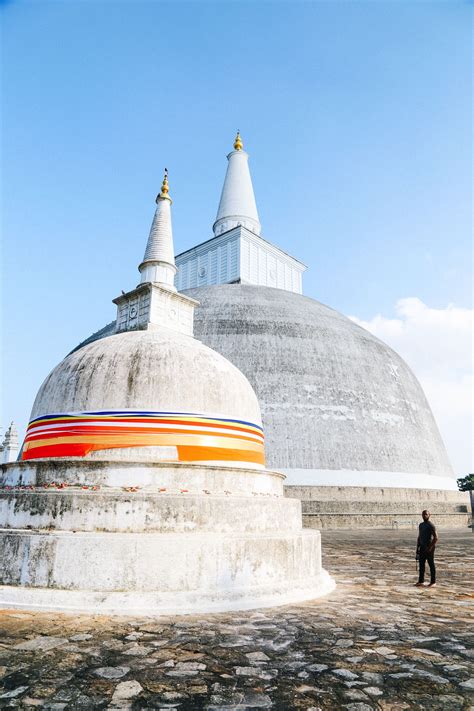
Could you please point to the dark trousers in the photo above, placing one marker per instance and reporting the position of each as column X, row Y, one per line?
column 425, row 556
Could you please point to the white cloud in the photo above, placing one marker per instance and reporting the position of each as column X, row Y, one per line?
column 437, row 345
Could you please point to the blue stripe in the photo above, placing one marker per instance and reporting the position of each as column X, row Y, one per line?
column 138, row 413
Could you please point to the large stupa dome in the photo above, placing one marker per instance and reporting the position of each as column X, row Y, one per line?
column 334, row 398
column 149, row 379
column 339, row 407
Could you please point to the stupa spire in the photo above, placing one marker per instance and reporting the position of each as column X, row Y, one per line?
column 237, row 204
column 155, row 303
column 158, row 263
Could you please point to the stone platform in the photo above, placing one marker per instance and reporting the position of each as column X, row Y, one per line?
column 375, row 643
column 339, row 507
column 126, row 537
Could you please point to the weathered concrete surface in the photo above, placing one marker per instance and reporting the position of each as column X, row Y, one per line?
column 73, row 509
column 150, row 476
column 332, row 395
column 148, row 370
column 68, row 545
column 160, row 573
column 375, row 643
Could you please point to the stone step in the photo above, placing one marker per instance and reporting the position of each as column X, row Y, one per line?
column 156, row 572
column 382, row 507
column 359, row 493
column 345, row 507
column 151, row 476
column 392, row 520
column 116, row 510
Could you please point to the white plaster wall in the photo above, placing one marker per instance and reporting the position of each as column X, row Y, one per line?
column 262, row 263
column 214, row 262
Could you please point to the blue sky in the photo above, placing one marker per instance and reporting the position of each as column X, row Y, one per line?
column 356, row 116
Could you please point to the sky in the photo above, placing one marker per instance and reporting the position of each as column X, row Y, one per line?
column 356, row 116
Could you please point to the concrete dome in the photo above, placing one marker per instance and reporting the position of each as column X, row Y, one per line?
column 150, row 371
column 333, row 397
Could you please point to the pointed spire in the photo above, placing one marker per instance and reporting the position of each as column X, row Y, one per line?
column 237, row 204
column 158, row 263
column 155, row 303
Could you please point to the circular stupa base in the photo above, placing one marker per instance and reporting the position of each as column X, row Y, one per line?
column 136, row 603
column 117, row 548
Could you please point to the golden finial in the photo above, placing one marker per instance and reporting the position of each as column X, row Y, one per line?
column 238, row 145
column 164, row 188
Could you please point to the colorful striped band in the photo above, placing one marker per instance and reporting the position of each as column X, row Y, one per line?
column 197, row 438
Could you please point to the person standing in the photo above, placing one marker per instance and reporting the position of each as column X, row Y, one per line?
column 425, row 548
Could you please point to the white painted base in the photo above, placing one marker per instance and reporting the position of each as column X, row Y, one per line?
column 237, row 545
column 345, row 477
column 150, row 603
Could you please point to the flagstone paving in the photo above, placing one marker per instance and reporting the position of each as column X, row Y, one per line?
column 375, row 643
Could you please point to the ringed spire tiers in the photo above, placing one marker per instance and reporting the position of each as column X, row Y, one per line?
column 158, row 265
column 155, row 303
column 237, row 206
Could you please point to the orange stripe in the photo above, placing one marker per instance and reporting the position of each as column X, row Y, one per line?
column 196, row 454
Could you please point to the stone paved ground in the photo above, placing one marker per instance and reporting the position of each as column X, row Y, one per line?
column 375, row 643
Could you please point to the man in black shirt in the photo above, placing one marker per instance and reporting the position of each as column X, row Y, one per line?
column 425, row 548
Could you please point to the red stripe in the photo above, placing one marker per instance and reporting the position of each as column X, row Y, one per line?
column 58, row 450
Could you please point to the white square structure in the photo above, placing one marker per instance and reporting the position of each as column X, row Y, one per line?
column 238, row 256
column 151, row 306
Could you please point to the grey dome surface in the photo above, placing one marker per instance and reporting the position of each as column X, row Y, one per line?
column 332, row 395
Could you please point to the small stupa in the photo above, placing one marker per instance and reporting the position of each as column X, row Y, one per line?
column 142, row 486
column 9, row 448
